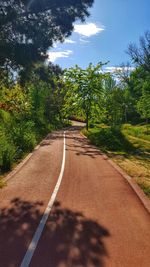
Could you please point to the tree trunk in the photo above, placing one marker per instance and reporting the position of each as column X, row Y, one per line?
column 125, row 115
column 87, row 121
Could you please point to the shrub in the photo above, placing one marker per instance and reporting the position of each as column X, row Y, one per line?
column 24, row 136
column 7, row 157
column 28, row 141
column 109, row 139
column 7, row 152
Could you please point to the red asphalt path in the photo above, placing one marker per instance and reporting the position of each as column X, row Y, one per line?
column 97, row 219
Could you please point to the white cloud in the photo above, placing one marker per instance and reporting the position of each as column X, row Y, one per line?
column 84, row 41
column 115, row 69
column 69, row 41
column 88, row 29
column 53, row 56
column 66, row 41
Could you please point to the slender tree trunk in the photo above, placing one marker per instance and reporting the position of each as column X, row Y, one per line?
column 147, row 128
column 125, row 114
column 87, row 121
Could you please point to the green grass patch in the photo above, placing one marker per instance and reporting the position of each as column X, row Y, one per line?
column 139, row 144
column 129, row 152
column 109, row 139
column 139, row 131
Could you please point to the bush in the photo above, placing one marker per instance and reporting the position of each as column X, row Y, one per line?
column 7, row 157
column 24, row 136
column 28, row 141
column 109, row 139
column 7, row 152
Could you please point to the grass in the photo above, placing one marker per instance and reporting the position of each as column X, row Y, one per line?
column 130, row 152
column 2, row 182
column 139, row 131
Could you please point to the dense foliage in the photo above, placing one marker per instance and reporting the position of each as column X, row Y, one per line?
column 29, row 27
column 28, row 113
column 84, row 91
column 100, row 97
column 32, row 93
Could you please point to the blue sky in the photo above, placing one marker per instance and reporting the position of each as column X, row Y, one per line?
column 105, row 35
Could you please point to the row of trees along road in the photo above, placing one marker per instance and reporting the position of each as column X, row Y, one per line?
column 32, row 92
column 117, row 98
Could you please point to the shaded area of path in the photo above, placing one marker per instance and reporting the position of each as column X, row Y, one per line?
column 17, row 225
column 73, row 239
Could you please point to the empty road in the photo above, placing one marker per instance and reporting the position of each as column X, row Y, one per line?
column 89, row 215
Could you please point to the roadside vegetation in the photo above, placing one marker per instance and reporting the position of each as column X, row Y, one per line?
column 31, row 88
column 116, row 108
column 131, row 155
column 28, row 113
column 141, row 132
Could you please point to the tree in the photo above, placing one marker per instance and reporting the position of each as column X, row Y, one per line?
column 44, row 85
column 114, row 102
column 143, row 105
column 29, row 27
column 141, row 55
column 84, row 90
column 131, row 83
column 139, row 81
column 132, row 80
column 44, row 72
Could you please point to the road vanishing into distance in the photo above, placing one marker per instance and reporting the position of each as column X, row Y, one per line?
column 67, row 206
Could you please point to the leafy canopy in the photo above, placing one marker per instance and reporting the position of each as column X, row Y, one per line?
column 84, row 90
column 140, row 55
column 29, row 27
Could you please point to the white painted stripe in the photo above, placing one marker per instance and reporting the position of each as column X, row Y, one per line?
column 31, row 249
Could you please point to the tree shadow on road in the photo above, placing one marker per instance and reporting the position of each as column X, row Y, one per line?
column 58, row 135
column 82, row 147
column 17, row 224
column 84, row 150
column 69, row 239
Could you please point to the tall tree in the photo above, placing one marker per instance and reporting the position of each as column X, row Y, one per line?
column 140, row 55
column 143, row 104
column 114, row 102
column 84, row 90
column 29, row 27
